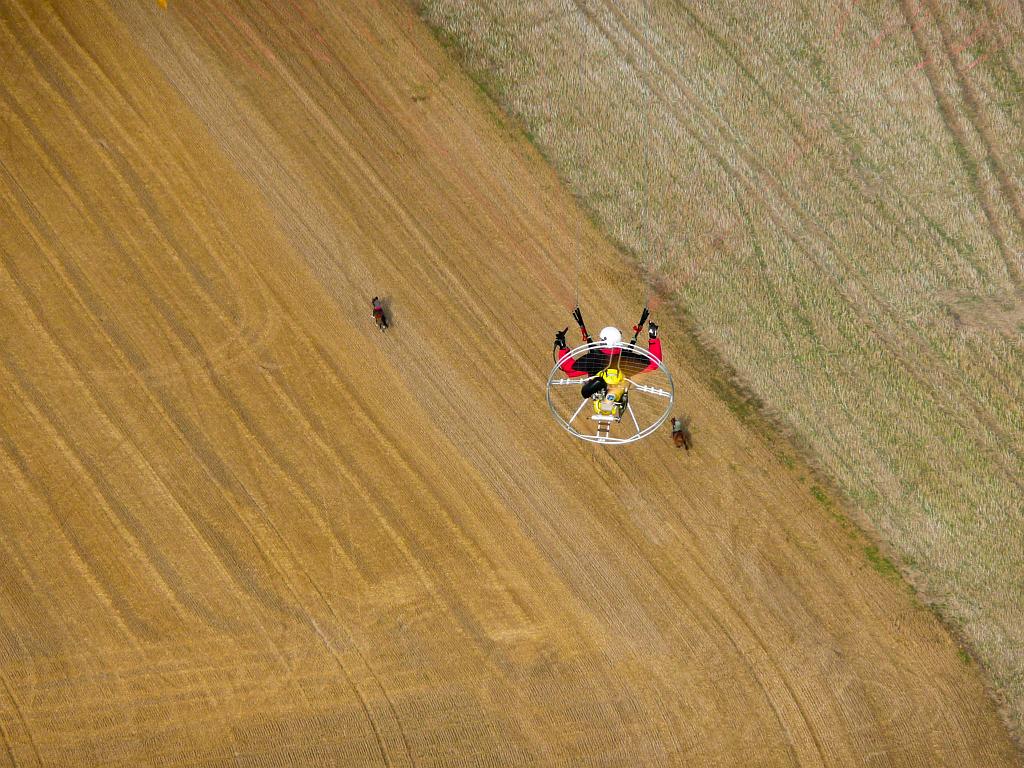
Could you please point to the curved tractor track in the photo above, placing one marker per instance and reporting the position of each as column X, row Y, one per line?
column 241, row 526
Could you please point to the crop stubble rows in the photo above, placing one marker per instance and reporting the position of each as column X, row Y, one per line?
column 238, row 527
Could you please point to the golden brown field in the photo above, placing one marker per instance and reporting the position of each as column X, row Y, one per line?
column 239, row 526
column 832, row 191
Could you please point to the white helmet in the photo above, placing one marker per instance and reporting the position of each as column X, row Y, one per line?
column 611, row 336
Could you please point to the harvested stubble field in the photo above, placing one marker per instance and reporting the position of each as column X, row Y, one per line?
column 239, row 526
column 832, row 190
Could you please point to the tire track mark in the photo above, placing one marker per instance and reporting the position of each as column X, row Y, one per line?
column 395, row 457
column 19, row 583
column 130, row 524
column 974, row 114
column 1004, row 29
column 704, row 582
column 469, row 627
column 9, row 747
column 124, row 173
column 951, row 117
column 404, row 541
column 733, row 626
column 20, row 714
column 224, row 351
column 153, row 155
column 127, row 351
column 373, row 180
column 123, row 522
column 869, row 196
column 298, row 486
column 454, row 285
column 90, row 572
column 124, row 429
column 168, row 574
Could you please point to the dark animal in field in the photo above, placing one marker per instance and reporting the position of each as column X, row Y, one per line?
column 378, row 314
column 681, row 434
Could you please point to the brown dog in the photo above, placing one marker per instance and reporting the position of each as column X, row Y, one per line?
column 681, row 434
